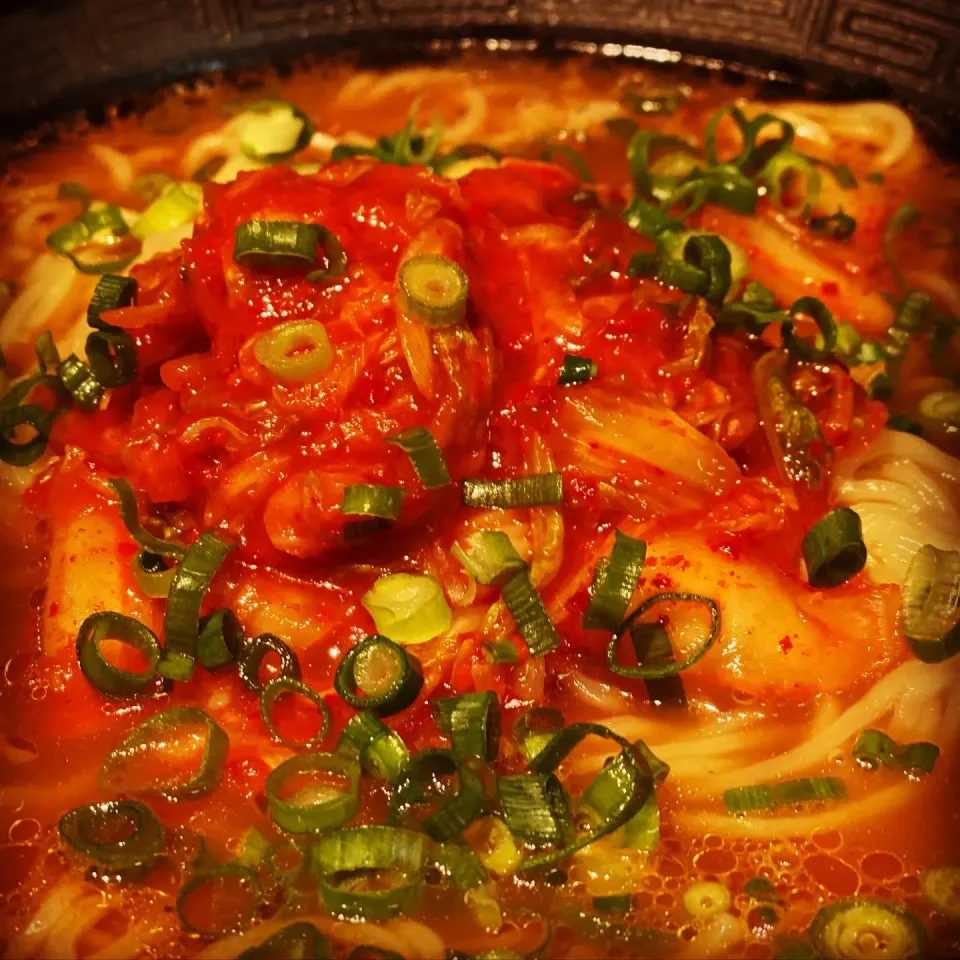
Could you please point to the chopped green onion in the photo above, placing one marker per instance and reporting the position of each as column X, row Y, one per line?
column 296, row 351
column 99, row 221
column 614, row 903
column 767, row 796
column 940, row 887
column 647, row 182
column 316, row 806
column 149, row 186
column 408, row 608
column 576, row 370
column 759, row 888
column 268, row 244
column 406, row 147
column 46, row 351
column 181, row 622
column 931, row 620
column 530, row 615
column 117, row 833
column 755, row 310
column 71, row 190
column 752, row 155
column 335, row 257
column 296, row 941
column 145, row 762
column 381, row 751
column 614, row 581
column 903, row 216
column 287, row 686
column 112, row 356
column 219, row 640
column 874, row 749
column 860, row 928
column 85, row 389
column 826, row 341
column 833, row 549
column 649, row 220
column 425, row 455
column 449, row 818
column 274, row 130
column 572, row 157
column 651, row 643
column 904, row 424
column 178, row 204
column 533, row 490
column 389, row 859
column 706, row 899
column 839, row 225
column 22, row 453
column 614, row 796
column 152, row 573
column 495, row 846
column 433, row 289
column 108, row 679
column 372, row 500
column 780, row 170
column 535, row 729
column 229, row 906
column 489, row 557
column 130, row 514
column 472, row 721
column 378, row 675
column 535, row 808
column 256, row 651
column 711, row 255
column 642, row 830
column 668, row 668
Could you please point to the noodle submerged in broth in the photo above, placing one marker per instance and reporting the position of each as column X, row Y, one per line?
column 490, row 510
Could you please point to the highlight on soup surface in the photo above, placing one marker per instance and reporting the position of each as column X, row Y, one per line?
column 494, row 509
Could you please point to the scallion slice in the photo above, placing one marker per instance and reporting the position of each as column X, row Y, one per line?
column 117, row 833
column 178, row 204
column 110, row 680
column 152, row 573
column 146, row 760
column 668, row 668
column 71, row 190
column 755, row 310
column 316, row 806
column 21, row 453
column 274, row 130
column 220, row 639
column 767, row 796
column 572, row 157
column 903, row 216
column 229, row 905
column 268, row 244
column 535, row 729
column 381, row 751
column 130, row 514
column 112, row 356
column 931, row 594
column 874, row 749
column 826, row 340
column 857, row 927
column 256, row 651
column 378, row 675
column 530, row 615
column 409, row 608
column 534, row 490
column 576, row 370
column 80, row 239
column 940, row 887
column 296, row 351
column 48, row 356
column 287, row 686
column 614, row 582
column 296, row 941
column 781, row 170
column 489, row 557
column 372, row 500
column 752, row 155
column 85, row 389
column 833, row 548
column 452, row 812
column 472, row 721
column 433, row 289
column 181, row 622
column 420, row 445
column 839, row 225
column 371, row 872
column 709, row 254
column 536, row 808
column 651, row 643
column 112, row 292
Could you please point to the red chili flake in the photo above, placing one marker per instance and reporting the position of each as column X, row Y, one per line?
column 54, row 608
column 786, row 644
column 662, row 582
column 829, row 288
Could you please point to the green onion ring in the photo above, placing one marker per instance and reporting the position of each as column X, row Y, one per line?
column 79, row 827
column 280, row 687
column 302, row 813
column 110, row 680
column 253, row 655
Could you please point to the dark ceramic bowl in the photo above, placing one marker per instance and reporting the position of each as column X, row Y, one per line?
column 64, row 55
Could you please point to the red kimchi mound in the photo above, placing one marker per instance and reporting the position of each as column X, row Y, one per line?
column 485, row 510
